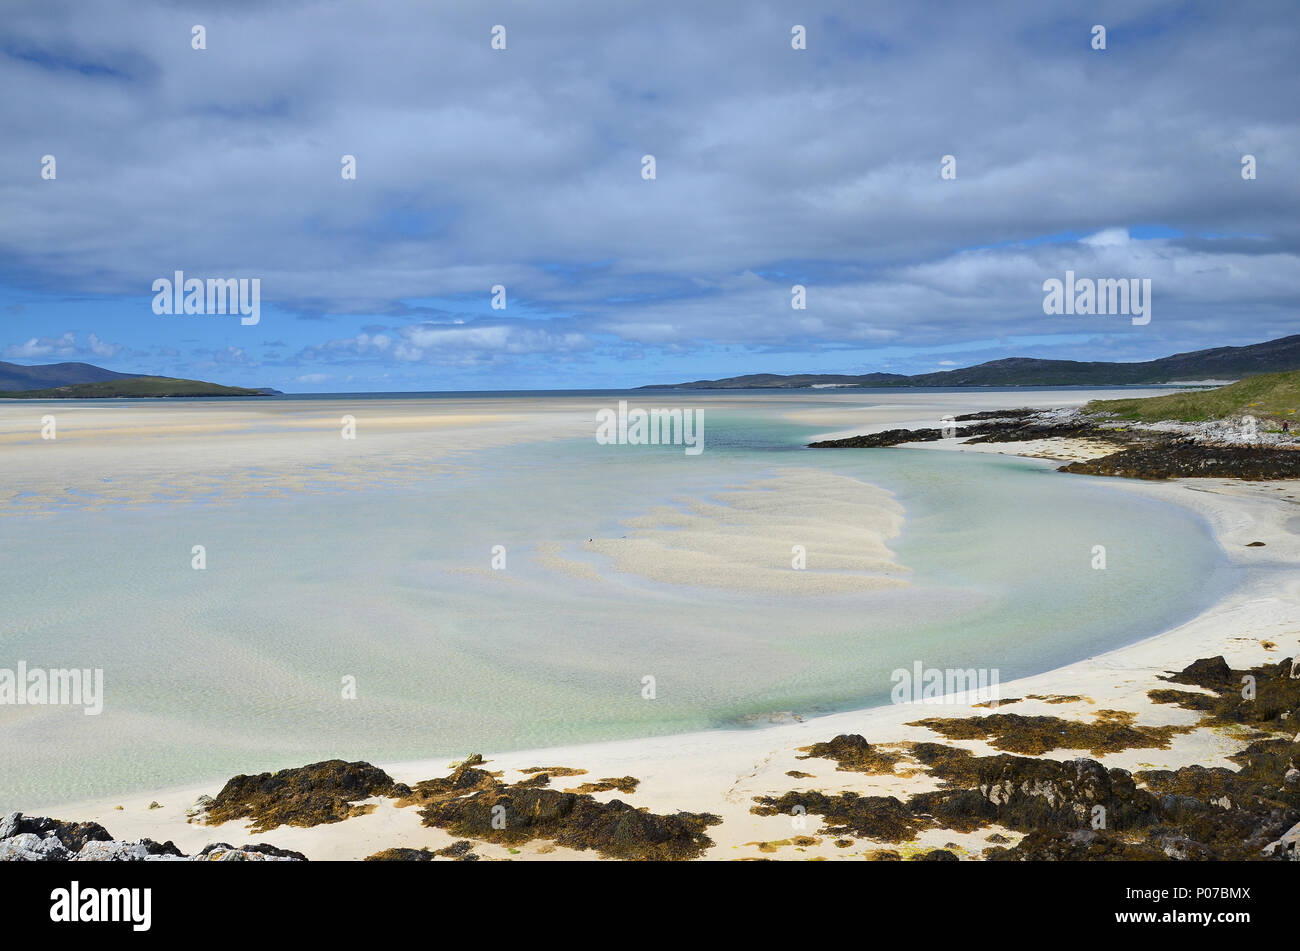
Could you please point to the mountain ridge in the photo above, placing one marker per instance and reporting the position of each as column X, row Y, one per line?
column 16, row 376
column 1269, row 356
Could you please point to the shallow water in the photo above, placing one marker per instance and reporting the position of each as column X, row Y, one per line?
column 239, row 667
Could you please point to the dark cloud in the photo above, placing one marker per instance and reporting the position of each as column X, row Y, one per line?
column 775, row 166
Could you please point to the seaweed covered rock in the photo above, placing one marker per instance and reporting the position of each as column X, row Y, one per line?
column 883, row 818
column 1080, row 809
column 624, row 784
column 890, row 437
column 462, row 780
column 1110, row 731
column 1178, row 460
column 401, row 855
column 304, row 796
column 477, row 805
column 1029, row 794
column 1287, row 847
column 1079, row 845
column 936, row 855
column 1211, row 672
column 852, row 753
column 1267, row 696
column 1234, row 813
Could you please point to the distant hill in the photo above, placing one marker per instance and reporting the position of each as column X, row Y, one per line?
column 138, row 387
column 1220, row 363
column 16, row 377
column 1268, row 395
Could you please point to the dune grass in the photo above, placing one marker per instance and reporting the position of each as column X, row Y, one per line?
column 1267, row 396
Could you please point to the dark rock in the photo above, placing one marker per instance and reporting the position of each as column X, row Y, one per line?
column 261, row 848
column 73, row 835
column 401, row 855
column 882, row 818
column 1178, row 460
column 169, row 848
column 1110, row 732
column 513, row 814
column 1080, row 845
column 853, row 754
column 1207, row 672
column 624, row 784
column 1027, row 794
column 890, row 437
column 304, row 796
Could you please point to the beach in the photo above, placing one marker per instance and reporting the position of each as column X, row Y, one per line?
column 715, row 771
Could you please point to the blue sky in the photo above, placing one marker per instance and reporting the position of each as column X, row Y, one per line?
column 522, row 167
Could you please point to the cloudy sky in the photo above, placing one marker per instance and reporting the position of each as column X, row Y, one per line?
column 522, row 167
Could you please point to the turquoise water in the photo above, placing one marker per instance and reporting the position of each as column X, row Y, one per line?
column 238, row 668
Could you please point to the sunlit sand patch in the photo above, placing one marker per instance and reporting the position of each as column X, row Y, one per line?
column 549, row 556
column 222, row 453
column 752, row 538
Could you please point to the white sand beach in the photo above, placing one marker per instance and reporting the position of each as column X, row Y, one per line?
column 720, row 771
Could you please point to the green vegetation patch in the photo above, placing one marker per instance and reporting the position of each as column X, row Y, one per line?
column 1269, row 395
column 144, row 387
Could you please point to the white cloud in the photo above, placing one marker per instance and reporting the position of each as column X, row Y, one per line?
column 101, row 349
column 775, row 167
column 1109, row 238
column 43, row 347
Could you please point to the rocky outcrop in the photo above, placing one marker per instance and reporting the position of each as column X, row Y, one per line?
column 852, row 753
column 1183, row 460
column 461, row 851
column 39, row 839
column 1110, row 732
column 477, row 804
column 1079, row 845
column 1287, row 846
column 882, row 818
column 890, row 437
column 1143, row 451
column 624, row 784
column 1266, row 697
column 1027, row 794
column 304, row 796
column 1079, row 809
column 73, row 836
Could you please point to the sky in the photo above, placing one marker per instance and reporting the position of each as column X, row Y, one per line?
column 523, row 168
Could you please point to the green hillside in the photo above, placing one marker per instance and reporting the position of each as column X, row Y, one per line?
column 1269, row 395
column 140, row 387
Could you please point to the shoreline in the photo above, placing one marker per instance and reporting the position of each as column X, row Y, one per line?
column 721, row 771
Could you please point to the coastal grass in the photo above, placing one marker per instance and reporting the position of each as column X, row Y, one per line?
column 143, row 387
column 1269, row 395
